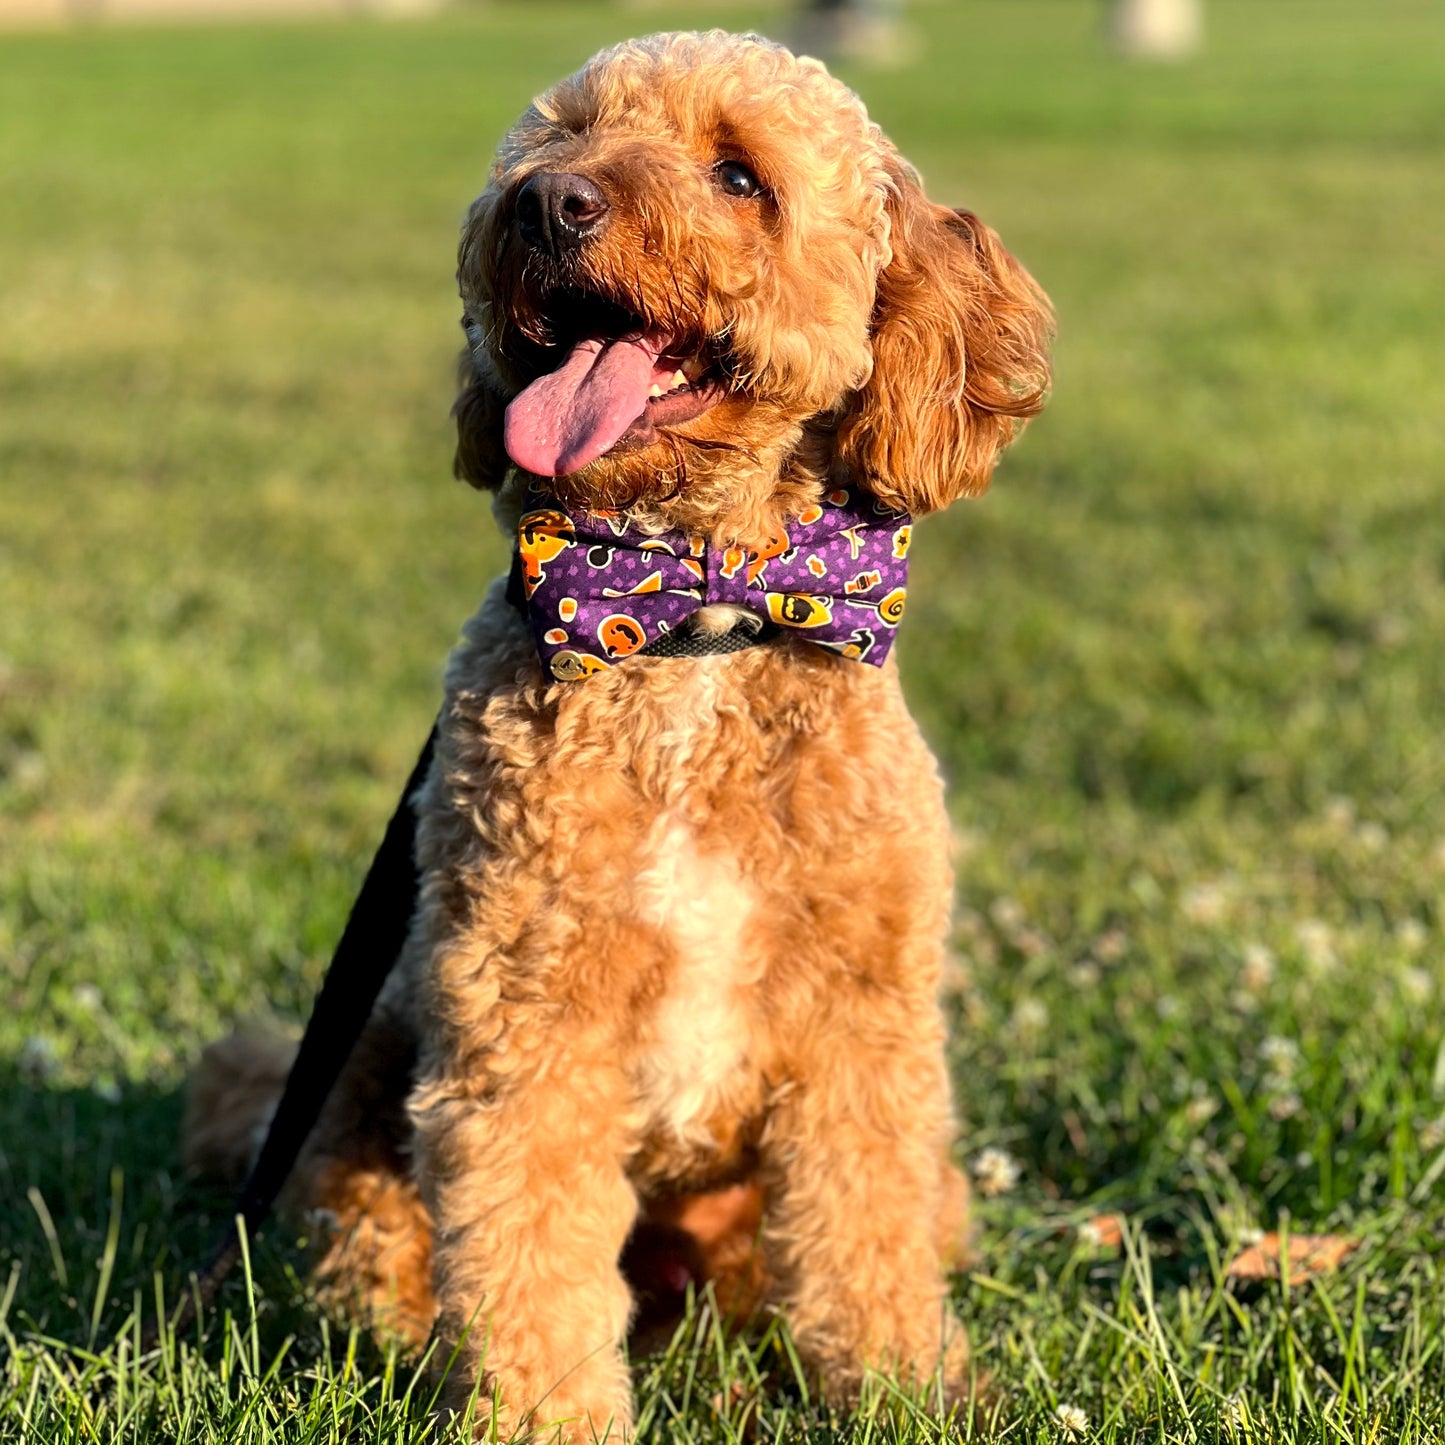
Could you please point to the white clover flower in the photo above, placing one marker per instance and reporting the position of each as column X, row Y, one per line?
column 1007, row 914
column 1285, row 1106
column 28, row 769
column 1030, row 1017
column 88, row 997
column 995, row 1171
column 1372, row 837
column 1411, row 935
column 1432, row 1134
column 1032, row 942
column 1317, row 942
column 1340, row 813
column 1085, row 973
column 1280, row 1056
column 1205, row 903
column 1417, row 984
column 1257, row 971
column 38, row 1057
column 1111, row 945
column 1072, row 1421
column 1200, row 1110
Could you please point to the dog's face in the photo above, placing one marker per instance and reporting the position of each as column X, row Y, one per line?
column 701, row 275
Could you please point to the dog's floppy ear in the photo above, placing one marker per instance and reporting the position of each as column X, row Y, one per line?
column 479, row 410
column 961, row 337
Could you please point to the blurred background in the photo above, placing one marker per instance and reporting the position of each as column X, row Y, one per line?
column 1182, row 665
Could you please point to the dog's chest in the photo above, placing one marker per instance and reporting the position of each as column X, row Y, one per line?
column 695, row 1043
column 691, row 890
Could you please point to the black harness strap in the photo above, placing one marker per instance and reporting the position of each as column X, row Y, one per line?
column 369, row 946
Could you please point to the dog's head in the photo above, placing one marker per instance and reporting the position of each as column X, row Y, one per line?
column 701, row 279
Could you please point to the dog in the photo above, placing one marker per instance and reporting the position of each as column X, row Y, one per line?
column 674, row 971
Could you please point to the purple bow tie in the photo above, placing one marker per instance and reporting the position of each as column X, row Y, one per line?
column 598, row 590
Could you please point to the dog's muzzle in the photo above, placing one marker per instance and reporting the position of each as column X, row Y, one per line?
column 558, row 211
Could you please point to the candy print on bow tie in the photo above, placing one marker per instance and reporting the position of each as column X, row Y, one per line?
column 599, row 591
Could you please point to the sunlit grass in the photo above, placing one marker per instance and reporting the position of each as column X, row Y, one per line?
column 1181, row 667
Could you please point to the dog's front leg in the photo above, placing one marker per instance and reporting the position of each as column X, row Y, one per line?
column 521, row 1158
column 853, row 1163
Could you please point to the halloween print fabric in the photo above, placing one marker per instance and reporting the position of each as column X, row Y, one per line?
column 599, row 591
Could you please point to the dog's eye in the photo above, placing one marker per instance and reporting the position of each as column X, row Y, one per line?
column 735, row 179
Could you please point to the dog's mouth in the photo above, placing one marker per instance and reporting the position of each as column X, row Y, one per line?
column 616, row 382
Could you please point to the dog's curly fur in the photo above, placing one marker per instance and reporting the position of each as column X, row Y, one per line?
column 683, row 921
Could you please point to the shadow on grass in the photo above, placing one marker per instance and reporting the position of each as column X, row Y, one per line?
column 100, row 1228
column 98, row 1224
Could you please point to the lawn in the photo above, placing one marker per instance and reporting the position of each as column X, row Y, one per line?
column 1182, row 666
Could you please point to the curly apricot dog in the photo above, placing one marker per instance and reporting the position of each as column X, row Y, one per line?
column 685, row 853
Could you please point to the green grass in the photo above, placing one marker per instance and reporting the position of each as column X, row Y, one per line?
column 1182, row 666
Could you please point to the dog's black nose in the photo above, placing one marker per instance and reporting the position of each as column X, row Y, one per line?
column 558, row 211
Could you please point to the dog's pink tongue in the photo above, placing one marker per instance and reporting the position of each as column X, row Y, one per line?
column 573, row 415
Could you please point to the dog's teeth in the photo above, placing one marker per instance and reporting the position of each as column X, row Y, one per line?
column 678, row 379
column 693, row 368
column 655, row 390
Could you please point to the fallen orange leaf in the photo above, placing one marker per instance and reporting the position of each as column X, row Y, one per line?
column 1308, row 1254
column 1103, row 1231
